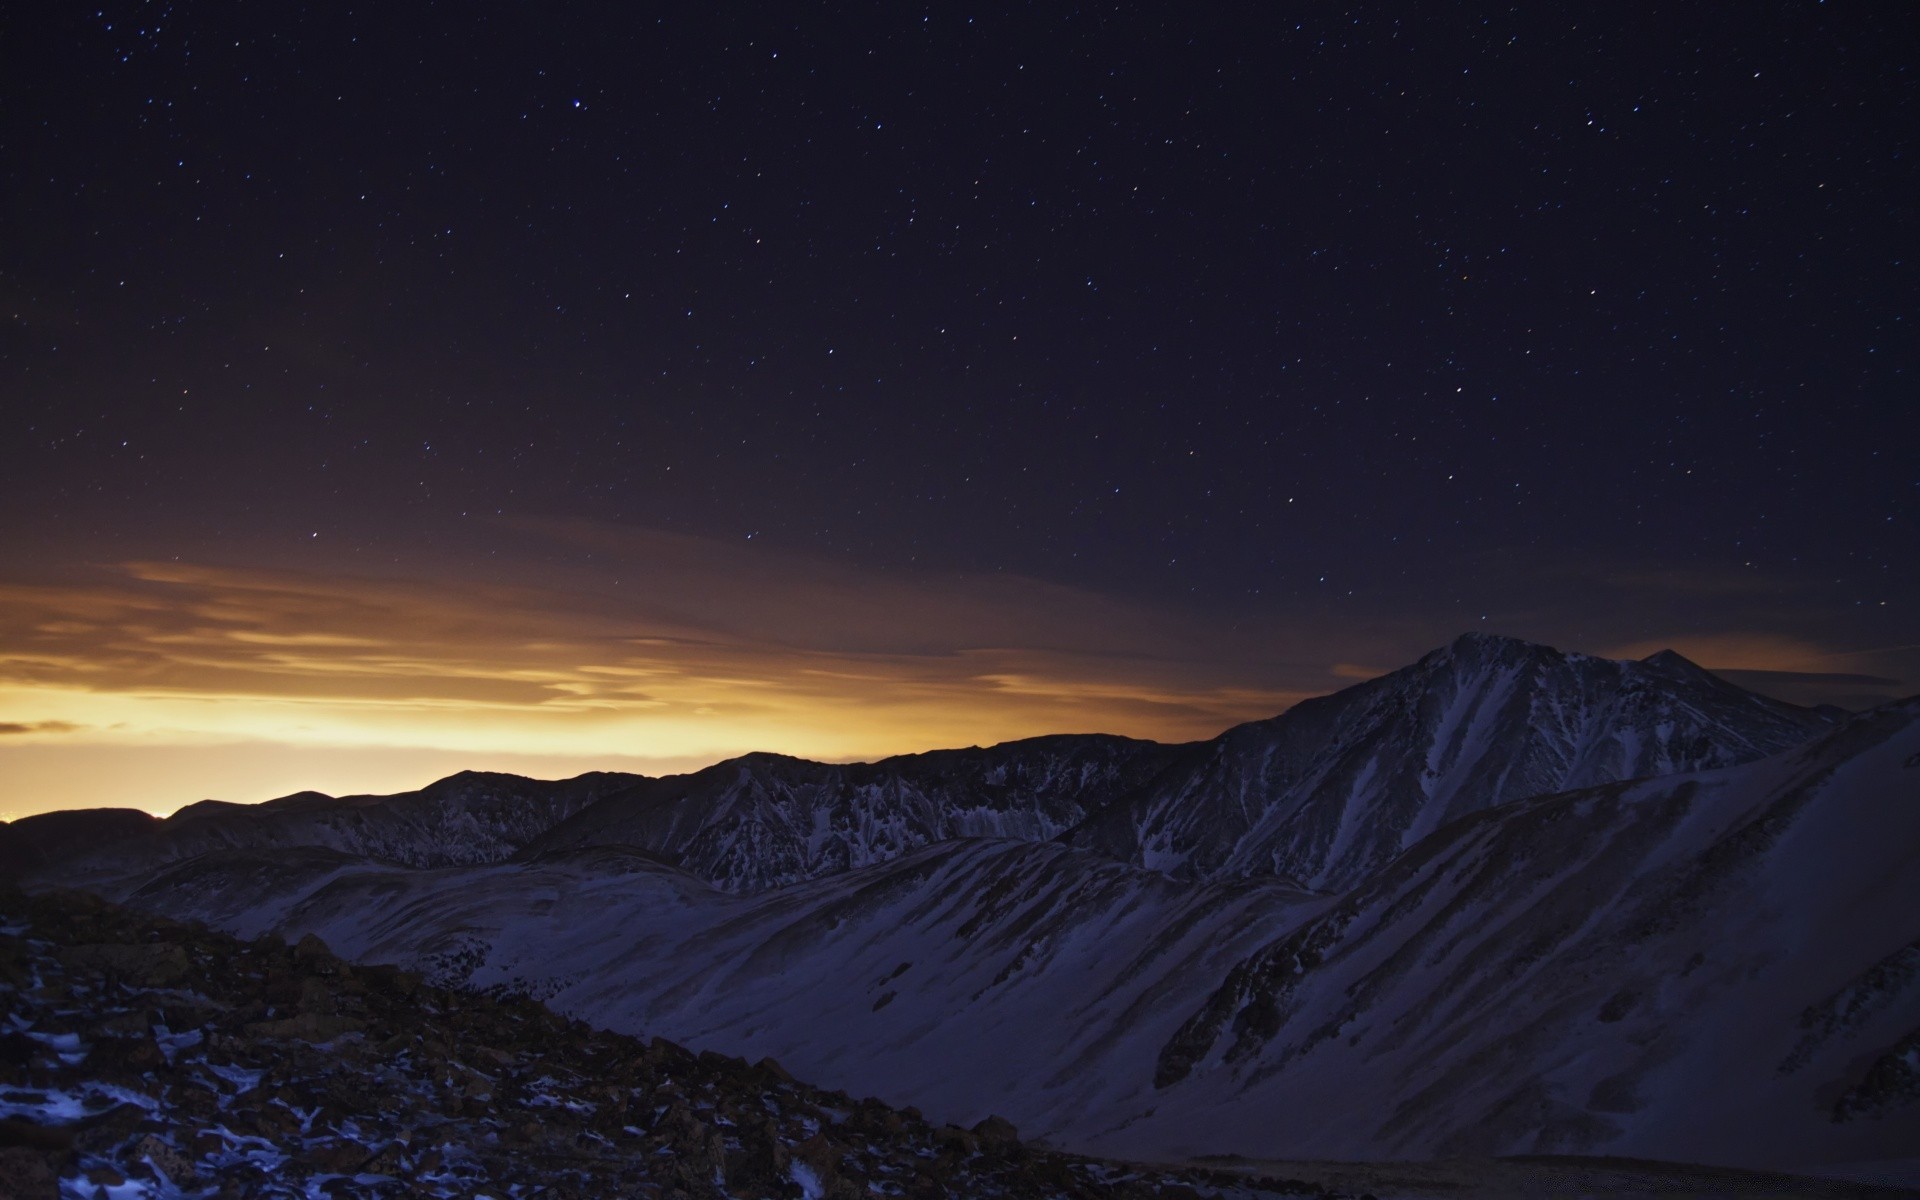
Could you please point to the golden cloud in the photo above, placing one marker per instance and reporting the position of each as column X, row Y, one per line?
column 665, row 647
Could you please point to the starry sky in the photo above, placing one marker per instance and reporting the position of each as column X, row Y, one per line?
column 386, row 390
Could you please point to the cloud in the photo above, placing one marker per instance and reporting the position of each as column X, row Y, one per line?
column 1839, row 688
column 1810, row 677
column 590, row 640
column 572, row 644
column 1797, row 670
column 1355, row 671
column 16, row 727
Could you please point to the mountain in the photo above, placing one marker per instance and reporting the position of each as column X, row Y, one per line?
column 1321, row 794
column 1718, row 965
column 285, row 1071
column 747, row 824
column 471, row 817
column 1722, row 965
column 1551, row 904
column 975, row 976
column 765, row 820
column 1336, row 786
column 39, row 841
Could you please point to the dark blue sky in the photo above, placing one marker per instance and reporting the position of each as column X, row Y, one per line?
column 1595, row 321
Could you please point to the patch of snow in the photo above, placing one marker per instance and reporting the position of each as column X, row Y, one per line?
column 807, row 1180
column 172, row 1043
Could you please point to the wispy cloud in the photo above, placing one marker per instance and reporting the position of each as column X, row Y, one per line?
column 665, row 647
column 581, row 646
column 14, row 727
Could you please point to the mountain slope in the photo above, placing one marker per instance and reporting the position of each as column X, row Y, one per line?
column 746, row 824
column 1709, row 966
column 1336, row 786
column 471, row 817
column 43, row 839
column 1715, row 964
column 764, row 820
column 1721, row 966
column 978, row 976
column 1322, row 794
column 284, row 1071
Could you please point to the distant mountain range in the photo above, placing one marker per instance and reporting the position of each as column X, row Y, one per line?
column 1505, row 900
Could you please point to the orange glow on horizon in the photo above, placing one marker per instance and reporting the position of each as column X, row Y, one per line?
column 268, row 668
column 587, row 647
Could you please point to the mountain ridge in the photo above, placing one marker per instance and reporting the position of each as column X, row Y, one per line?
column 1292, row 796
column 1537, row 888
column 1090, row 975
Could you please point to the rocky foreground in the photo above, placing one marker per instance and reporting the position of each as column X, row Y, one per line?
column 141, row 1057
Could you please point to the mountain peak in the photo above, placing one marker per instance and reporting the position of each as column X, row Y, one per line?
column 1475, row 637
column 1484, row 647
column 1671, row 660
column 1504, row 646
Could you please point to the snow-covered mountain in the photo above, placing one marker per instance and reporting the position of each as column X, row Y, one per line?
column 988, row 976
column 765, row 820
column 1716, row 966
column 1551, row 903
column 1710, row 966
column 1321, row 794
column 747, row 824
column 1336, row 786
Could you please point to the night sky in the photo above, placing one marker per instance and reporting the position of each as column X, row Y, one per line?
column 391, row 390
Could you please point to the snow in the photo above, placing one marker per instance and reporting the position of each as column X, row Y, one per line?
column 171, row 1043
column 1528, row 953
column 56, row 1106
column 807, row 1180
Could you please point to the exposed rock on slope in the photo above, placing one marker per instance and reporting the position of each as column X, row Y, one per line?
column 147, row 1058
column 765, row 820
column 892, row 980
column 1335, row 787
column 745, row 825
column 1655, row 968
column 1718, row 966
column 1705, row 961
column 1322, row 794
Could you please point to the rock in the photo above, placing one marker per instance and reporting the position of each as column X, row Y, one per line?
column 17, row 1049
column 997, row 1133
column 569, row 1112
column 760, row 1165
column 316, row 997
column 147, row 966
column 392, row 980
column 15, row 1131
column 109, row 1129
column 699, row 1158
column 343, row 1157
column 768, row 1066
column 136, row 1055
column 821, row 1155
column 126, row 1024
column 956, row 1140
column 307, row 1027
column 713, row 1060
column 312, row 955
column 208, row 1142
column 26, row 1174
column 165, row 1159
